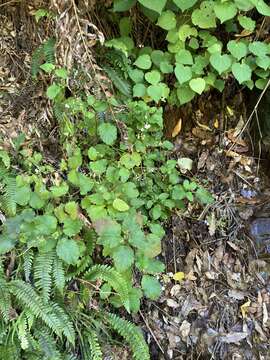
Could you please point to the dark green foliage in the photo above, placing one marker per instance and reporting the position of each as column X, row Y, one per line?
column 45, row 53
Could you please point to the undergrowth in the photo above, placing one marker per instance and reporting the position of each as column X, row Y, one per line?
column 83, row 238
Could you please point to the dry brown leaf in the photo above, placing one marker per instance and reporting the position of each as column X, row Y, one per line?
column 233, row 337
column 235, row 139
column 244, row 308
column 185, row 329
column 177, row 128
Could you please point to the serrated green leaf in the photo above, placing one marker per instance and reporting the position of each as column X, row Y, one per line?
column 185, row 94
column 258, row 48
column 183, row 73
column 53, row 91
column 120, row 205
column 151, row 287
column 184, row 57
column 68, row 251
column 123, row 258
column 204, row 17
column 107, row 133
column 247, row 23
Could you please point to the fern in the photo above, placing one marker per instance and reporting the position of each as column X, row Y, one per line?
column 5, row 301
column 44, row 53
column 48, row 345
column 9, row 351
column 50, row 314
column 7, row 199
column 27, row 264
column 95, row 349
column 118, row 80
column 58, row 274
column 42, row 273
column 23, row 331
column 131, row 334
column 115, row 279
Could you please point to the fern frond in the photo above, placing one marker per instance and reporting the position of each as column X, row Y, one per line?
column 94, row 345
column 66, row 324
column 44, row 53
column 115, row 279
column 27, row 264
column 23, row 331
column 9, row 351
column 131, row 334
column 5, row 301
column 42, row 273
column 7, row 199
column 48, row 345
column 58, row 274
column 85, row 263
column 118, row 80
column 30, row 299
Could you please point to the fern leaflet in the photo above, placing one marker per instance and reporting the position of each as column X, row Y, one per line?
column 42, row 273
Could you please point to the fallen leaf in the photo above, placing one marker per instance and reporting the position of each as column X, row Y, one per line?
column 179, row 276
column 172, row 303
column 233, row 337
column 177, row 128
column 185, row 164
column 244, row 308
column 184, row 329
column 235, row 139
column 211, row 222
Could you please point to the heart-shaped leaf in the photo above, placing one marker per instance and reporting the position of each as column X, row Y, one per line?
column 156, row 5
column 153, row 77
column 139, row 90
column 185, row 4
column 155, row 92
column 182, row 73
column 237, row 48
column 204, row 17
column 143, row 62
column 225, row 11
column 242, row 72
column 167, row 20
column 185, row 94
column 221, row 63
column 198, row 85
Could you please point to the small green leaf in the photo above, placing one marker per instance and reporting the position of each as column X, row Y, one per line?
column 156, row 212
column 221, row 63
column 120, row 205
column 151, row 287
column 259, row 48
column 156, row 6
column 68, row 250
column 131, row 160
column 184, row 57
column 53, row 91
column 263, row 62
column 62, row 73
column 167, row 20
column 139, row 90
column 198, row 85
column 99, row 166
column 203, row 196
column 60, row 190
column 185, row 94
column 136, row 75
column 261, row 7
column 187, row 31
column 183, row 73
column 47, row 67
column 237, row 48
column 123, row 258
column 204, row 17
column 166, row 67
column 242, row 72
column 247, row 23
column 107, row 133
column 155, row 92
column 153, row 77
column 72, row 227
column 225, row 11
column 123, row 5
column 185, row 4
column 143, row 62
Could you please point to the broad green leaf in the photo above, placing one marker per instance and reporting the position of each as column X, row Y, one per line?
column 183, row 73
column 157, row 5
column 4, row 156
column 185, row 94
column 155, row 92
column 258, row 48
column 242, row 72
column 198, row 85
column 72, row 209
column 225, row 10
column 75, row 160
column 139, row 90
column 47, row 67
column 123, row 5
column 46, row 224
column 125, row 26
column 153, row 77
column 244, row 5
column 151, row 287
column 187, row 31
column 156, row 212
column 36, row 202
column 215, row 48
column 143, row 62
column 157, row 56
column 123, row 258
column 53, row 90
column 166, row 67
column 92, row 153
column 237, row 48
column 130, row 160
column 247, row 23
column 22, row 195
column 68, row 251
column 263, row 62
column 184, row 57
column 72, row 227
column 136, row 75
column 60, row 190
column 203, row 196
column 129, row 190
column 99, row 167
column 62, row 73
column 221, row 63
column 120, row 205
column 6, row 244
column 204, row 17
column 185, row 4
column 107, row 133
column 167, row 20
column 261, row 7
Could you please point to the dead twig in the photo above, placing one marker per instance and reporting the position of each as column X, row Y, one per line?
column 151, row 332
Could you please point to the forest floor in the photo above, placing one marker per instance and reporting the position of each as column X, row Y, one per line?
column 216, row 291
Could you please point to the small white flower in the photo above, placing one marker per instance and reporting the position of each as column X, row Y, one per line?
column 147, row 126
